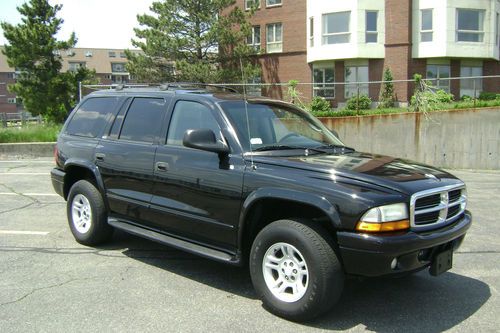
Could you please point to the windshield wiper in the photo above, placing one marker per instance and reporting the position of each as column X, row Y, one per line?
column 286, row 147
column 334, row 146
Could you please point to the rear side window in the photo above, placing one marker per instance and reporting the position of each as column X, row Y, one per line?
column 143, row 120
column 92, row 116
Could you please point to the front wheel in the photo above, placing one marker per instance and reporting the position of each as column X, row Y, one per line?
column 295, row 270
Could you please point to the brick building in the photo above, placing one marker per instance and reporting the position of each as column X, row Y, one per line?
column 324, row 41
column 109, row 65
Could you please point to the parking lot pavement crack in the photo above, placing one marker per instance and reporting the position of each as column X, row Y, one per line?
column 32, row 199
column 43, row 288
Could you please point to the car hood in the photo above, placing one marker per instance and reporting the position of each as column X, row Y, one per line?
column 394, row 173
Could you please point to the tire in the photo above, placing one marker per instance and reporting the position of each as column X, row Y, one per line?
column 87, row 216
column 299, row 294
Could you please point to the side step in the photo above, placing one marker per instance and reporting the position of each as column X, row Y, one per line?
column 174, row 242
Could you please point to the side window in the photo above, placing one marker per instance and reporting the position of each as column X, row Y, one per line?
column 143, row 120
column 90, row 119
column 190, row 115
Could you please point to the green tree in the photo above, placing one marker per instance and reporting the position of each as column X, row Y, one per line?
column 387, row 96
column 205, row 39
column 33, row 51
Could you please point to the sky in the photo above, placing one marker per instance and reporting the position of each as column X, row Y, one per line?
column 97, row 23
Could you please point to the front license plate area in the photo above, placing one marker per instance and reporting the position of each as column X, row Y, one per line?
column 442, row 262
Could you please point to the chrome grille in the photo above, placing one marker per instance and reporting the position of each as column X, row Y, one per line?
column 437, row 207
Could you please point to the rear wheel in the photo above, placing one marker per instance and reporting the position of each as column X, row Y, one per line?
column 295, row 270
column 87, row 216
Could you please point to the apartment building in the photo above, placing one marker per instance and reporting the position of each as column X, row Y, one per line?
column 325, row 42
column 109, row 65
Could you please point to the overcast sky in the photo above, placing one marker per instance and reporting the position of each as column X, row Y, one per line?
column 97, row 23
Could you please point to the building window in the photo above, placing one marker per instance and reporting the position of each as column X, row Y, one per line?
column 88, row 54
column 254, row 39
column 123, row 55
column 119, row 79
column 112, row 54
column 74, row 66
column 271, row 3
column 336, row 28
column 426, row 29
column 274, row 38
column 470, row 25
column 118, row 68
column 11, row 100
column 438, row 74
column 70, row 53
column 249, row 4
column 371, row 35
column 471, row 87
column 323, row 79
column 311, row 31
column 12, row 76
column 354, row 75
column 254, row 86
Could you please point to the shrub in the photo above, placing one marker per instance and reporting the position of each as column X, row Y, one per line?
column 387, row 96
column 362, row 102
column 466, row 98
column 488, row 96
column 443, row 97
column 319, row 104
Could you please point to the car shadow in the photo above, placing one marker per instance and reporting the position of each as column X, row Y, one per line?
column 416, row 303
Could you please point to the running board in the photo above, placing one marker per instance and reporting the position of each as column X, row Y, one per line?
column 174, row 242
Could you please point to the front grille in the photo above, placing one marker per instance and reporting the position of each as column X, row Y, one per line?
column 437, row 207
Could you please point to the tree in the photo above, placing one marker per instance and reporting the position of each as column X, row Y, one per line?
column 387, row 96
column 205, row 39
column 34, row 52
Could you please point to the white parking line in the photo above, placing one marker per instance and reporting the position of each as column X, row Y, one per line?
column 25, row 173
column 19, row 232
column 31, row 194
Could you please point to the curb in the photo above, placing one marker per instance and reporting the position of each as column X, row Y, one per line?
column 27, row 149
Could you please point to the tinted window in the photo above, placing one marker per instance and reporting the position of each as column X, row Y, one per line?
column 190, row 115
column 143, row 120
column 90, row 119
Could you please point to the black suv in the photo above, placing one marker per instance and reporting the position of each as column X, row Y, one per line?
column 254, row 182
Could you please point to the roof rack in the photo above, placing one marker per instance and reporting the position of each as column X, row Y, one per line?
column 184, row 85
column 162, row 86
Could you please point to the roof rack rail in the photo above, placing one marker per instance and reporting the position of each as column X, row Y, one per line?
column 162, row 86
column 184, row 85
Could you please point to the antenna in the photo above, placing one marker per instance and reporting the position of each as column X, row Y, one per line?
column 246, row 113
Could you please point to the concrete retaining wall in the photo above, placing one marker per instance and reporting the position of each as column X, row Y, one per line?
column 27, row 150
column 466, row 139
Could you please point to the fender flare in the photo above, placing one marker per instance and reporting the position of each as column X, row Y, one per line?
column 317, row 201
column 89, row 166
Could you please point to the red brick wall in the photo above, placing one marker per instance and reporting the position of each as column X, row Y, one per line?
column 455, row 72
column 491, row 67
column 5, row 94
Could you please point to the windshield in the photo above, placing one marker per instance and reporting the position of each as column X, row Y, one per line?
column 275, row 125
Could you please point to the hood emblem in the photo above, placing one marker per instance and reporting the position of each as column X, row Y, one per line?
column 428, row 175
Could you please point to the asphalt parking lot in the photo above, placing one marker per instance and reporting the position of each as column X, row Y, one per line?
column 50, row 283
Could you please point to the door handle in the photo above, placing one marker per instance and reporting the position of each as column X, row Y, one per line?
column 161, row 166
column 100, row 156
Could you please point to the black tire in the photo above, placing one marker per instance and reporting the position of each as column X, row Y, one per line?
column 95, row 229
column 325, row 280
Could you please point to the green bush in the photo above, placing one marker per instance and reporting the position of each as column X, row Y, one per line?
column 488, row 96
column 443, row 97
column 319, row 104
column 362, row 102
column 31, row 133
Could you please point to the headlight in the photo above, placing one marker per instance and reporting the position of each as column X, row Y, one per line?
column 385, row 218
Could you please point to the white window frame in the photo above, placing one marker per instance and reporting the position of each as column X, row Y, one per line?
column 438, row 81
column 480, row 33
column 278, row 45
column 326, row 35
column 428, row 31
column 364, row 88
column 74, row 65
column 370, row 32
column 317, row 86
column 111, row 54
column 252, row 38
column 274, row 5
column 114, row 64
column 311, row 31
column 11, row 100
column 249, row 3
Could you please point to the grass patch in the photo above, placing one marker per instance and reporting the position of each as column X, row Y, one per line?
column 440, row 107
column 30, row 133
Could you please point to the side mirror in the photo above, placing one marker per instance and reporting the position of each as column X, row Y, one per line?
column 204, row 139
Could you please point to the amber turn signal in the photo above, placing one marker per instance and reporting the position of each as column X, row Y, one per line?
column 383, row 227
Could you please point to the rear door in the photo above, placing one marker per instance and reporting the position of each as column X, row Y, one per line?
column 126, row 157
column 197, row 194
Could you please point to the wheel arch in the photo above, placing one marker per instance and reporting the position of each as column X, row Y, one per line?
column 81, row 170
column 266, row 205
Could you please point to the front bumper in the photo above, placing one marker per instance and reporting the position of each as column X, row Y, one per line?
column 57, row 177
column 371, row 255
